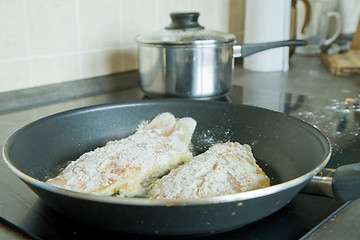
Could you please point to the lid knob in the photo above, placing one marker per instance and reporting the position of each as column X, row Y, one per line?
column 182, row 20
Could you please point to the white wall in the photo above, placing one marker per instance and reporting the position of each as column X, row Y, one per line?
column 53, row 41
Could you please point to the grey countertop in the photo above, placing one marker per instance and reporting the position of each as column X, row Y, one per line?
column 307, row 76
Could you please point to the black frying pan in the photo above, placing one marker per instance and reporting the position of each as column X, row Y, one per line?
column 289, row 150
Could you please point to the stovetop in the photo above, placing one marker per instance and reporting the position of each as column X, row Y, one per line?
column 337, row 118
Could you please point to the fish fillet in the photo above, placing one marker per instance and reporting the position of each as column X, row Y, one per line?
column 121, row 166
column 226, row 168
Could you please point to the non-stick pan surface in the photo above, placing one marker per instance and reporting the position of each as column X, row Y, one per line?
column 289, row 150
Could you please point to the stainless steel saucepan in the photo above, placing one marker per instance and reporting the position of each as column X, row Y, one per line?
column 187, row 60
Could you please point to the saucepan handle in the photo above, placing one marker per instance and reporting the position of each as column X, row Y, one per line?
column 248, row 49
column 342, row 183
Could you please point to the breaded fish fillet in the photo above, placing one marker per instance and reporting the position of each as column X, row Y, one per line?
column 120, row 166
column 225, row 168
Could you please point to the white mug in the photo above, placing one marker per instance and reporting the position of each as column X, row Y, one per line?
column 318, row 29
column 350, row 14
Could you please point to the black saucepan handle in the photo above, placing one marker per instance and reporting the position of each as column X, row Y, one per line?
column 248, row 49
column 342, row 183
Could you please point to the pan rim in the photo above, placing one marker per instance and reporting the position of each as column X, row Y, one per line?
column 238, row 197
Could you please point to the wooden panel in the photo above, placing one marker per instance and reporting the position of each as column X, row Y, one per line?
column 355, row 44
column 344, row 63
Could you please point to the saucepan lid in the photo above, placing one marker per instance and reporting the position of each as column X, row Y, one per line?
column 185, row 30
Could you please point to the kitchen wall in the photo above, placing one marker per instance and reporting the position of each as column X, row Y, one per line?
column 47, row 42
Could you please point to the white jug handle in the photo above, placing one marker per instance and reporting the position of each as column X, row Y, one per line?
column 338, row 28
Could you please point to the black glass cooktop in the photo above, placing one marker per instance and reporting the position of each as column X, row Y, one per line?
column 337, row 118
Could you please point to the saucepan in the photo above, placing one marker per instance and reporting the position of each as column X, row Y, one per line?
column 186, row 60
column 290, row 151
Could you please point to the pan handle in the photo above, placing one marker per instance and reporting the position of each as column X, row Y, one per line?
column 342, row 183
column 248, row 49
column 346, row 182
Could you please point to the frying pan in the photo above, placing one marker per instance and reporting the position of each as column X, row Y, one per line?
column 289, row 150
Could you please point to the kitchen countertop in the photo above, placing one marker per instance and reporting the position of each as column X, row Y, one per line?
column 307, row 76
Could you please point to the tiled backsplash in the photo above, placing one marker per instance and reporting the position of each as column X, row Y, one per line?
column 46, row 42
